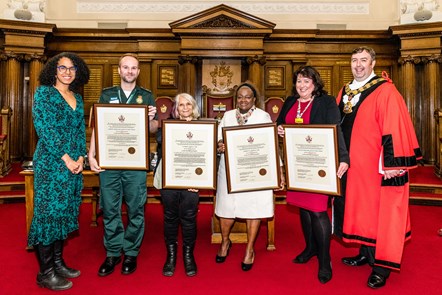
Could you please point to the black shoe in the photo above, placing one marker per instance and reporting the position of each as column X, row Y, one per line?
column 189, row 261
column 246, row 266
column 325, row 273
column 221, row 259
column 108, row 265
column 53, row 282
column 61, row 269
column 355, row 261
column 169, row 265
column 303, row 258
column 129, row 265
column 376, row 280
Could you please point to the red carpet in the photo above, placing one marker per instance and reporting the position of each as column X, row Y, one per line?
column 424, row 175
column 273, row 272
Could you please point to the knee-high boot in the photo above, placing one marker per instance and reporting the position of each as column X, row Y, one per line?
column 47, row 278
column 169, row 265
column 322, row 232
column 310, row 242
column 61, row 268
column 189, row 260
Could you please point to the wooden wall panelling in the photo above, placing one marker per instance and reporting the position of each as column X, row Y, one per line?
column 35, row 67
column 92, row 90
column 14, row 95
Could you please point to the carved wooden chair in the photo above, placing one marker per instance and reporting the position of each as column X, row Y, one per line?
column 5, row 128
column 273, row 105
column 216, row 104
column 164, row 106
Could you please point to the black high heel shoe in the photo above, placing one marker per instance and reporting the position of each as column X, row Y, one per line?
column 325, row 274
column 221, row 259
column 303, row 258
column 248, row 266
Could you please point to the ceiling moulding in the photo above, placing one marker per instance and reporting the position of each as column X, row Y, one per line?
column 91, row 6
column 222, row 27
column 222, row 20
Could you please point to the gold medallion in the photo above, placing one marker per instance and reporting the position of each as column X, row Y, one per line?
column 299, row 120
column 348, row 108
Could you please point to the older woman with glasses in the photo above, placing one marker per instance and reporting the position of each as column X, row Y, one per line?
column 251, row 206
column 58, row 115
column 180, row 205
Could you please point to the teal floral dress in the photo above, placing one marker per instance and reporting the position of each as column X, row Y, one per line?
column 57, row 197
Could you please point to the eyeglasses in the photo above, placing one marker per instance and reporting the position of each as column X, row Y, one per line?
column 63, row 69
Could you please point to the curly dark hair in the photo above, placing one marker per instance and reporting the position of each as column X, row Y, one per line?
column 49, row 71
column 312, row 73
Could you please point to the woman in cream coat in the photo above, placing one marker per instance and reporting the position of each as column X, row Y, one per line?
column 251, row 206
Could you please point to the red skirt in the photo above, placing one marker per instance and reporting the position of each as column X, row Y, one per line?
column 310, row 201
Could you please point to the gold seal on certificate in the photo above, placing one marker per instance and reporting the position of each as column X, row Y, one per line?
column 121, row 136
column 311, row 158
column 189, row 154
column 252, row 160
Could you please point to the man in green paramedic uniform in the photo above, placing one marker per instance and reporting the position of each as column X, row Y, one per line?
column 130, row 185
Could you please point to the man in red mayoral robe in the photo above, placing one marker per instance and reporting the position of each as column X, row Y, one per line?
column 382, row 145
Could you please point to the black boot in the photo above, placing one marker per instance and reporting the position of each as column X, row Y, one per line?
column 322, row 232
column 189, row 261
column 60, row 267
column 47, row 278
column 169, row 265
column 310, row 242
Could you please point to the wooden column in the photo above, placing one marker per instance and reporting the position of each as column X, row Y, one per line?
column 430, row 103
column 188, row 78
column 409, row 91
column 256, row 71
column 13, row 79
column 35, row 67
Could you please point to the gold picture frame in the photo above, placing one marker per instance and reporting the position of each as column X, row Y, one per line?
column 275, row 77
column 167, row 76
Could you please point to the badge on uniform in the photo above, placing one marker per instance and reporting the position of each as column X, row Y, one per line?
column 114, row 100
column 139, row 99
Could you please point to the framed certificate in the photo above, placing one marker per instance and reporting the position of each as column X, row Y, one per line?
column 122, row 136
column 311, row 158
column 251, row 155
column 189, row 154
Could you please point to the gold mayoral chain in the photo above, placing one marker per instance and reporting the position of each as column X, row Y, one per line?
column 299, row 119
column 348, row 107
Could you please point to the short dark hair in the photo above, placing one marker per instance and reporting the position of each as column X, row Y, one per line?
column 49, row 71
column 369, row 50
column 312, row 73
column 258, row 99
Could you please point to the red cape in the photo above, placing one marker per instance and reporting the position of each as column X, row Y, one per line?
column 383, row 137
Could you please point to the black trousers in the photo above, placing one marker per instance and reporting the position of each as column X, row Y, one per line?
column 180, row 207
column 369, row 252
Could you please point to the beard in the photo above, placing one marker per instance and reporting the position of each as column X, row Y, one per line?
column 129, row 79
